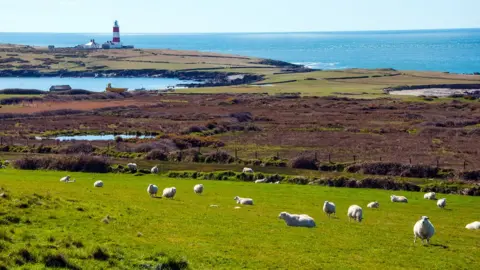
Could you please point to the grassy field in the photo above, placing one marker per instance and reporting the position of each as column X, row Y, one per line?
column 43, row 217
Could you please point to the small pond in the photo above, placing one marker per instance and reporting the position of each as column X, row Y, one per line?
column 106, row 137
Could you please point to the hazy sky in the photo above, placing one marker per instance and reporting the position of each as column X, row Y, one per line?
column 175, row 16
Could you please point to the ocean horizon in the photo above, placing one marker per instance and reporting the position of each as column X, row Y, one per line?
column 444, row 50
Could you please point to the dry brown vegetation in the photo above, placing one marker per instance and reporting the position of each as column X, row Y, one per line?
column 261, row 126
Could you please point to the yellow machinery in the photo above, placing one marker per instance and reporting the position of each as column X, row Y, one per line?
column 115, row 90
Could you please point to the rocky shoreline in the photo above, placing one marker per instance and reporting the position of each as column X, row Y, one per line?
column 205, row 78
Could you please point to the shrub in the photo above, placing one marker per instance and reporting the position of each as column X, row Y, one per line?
column 219, row 157
column 194, row 129
column 78, row 163
column 470, row 175
column 78, row 148
column 242, row 116
column 187, row 141
column 397, row 169
column 304, row 162
column 157, row 154
column 118, row 139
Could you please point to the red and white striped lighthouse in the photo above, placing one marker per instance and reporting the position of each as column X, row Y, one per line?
column 116, row 33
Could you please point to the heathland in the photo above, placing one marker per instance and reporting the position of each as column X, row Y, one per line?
column 46, row 222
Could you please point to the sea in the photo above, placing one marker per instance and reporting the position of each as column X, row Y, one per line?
column 436, row 50
column 456, row 51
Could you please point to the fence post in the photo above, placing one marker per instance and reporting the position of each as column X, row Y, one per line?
column 1, row 140
column 316, row 156
column 354, row 158
column 329, row 157
column 438, row 161
column 410, row 161
column 380, row 159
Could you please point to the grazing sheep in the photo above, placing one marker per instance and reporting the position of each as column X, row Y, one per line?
column 295, row 220
column 430, row 196
column 278, row 182
column 473, row 226
column 264, row 180
column 98, row 183
column 374, row 204
column 65, row 179
column 245, row 201
column 329, row 208
column 152, row 190
column 132, row 167
column 169, row 192
column 355, row 212
column 154, row 170
column 198, row 189
column 247, row 170
column 401, row 199
column 423, row 229
column 442, row 203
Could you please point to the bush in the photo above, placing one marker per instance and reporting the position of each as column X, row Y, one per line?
column 78, row 148
column 304, row 162
column 187, row 141
column 194, row 129
column 219, row 157
column 397, row 169
column 78, row 163
column 157, row 154
column 242, row 116
column 470, row 175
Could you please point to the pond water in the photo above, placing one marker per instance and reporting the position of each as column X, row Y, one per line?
column 91, row 84
column 106, row 137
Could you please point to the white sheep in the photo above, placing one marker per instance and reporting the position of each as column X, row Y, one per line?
column 442, row 203
column 401, row 199
column 473, row 226
column 169, row 192
column 423, row 229
column 98, row 183
column 278, row 182
column 247, row 170
column 355, row 212
column 198, row 189
column 65, row 179
column 132, row 167
column 264, row 180
column 329, row 208
column 295, row 220
column 430, row 196
column 152, row 190
column 245, row 201
column 154, row 170
column 374, row 204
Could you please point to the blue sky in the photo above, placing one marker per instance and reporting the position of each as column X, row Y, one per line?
column 191, row 16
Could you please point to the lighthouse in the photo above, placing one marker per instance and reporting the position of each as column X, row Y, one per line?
column 116, row 33
column 115, row 43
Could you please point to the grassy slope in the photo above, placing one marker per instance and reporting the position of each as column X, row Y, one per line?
column 324, row 85
column 228, row 238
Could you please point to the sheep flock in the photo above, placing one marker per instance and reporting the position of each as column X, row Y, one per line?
column 423, row 229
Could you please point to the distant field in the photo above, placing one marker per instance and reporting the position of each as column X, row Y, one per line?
column 348, row 83
column 43, row 216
